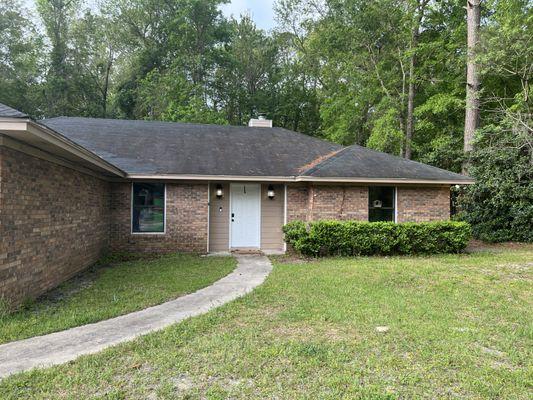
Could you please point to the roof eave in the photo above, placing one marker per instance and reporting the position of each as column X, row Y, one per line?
column 25, row 129
column 461, row 181
column 299, row 178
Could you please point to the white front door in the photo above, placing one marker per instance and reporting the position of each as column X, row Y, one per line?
column 245, row 215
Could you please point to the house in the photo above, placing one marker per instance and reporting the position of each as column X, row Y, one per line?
column 72, row 188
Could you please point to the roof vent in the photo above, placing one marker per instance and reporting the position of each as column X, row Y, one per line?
column 260, row 122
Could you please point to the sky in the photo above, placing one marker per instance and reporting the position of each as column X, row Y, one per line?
column 262, row 11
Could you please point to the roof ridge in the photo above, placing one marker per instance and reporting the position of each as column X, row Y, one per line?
column 323, row 162
column 148, row 121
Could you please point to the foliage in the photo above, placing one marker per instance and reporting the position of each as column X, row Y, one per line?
column 20, row 55
column 385, row 135
column 499, row 206
column 349, row 238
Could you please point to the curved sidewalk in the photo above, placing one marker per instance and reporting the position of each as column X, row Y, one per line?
column 60, row 347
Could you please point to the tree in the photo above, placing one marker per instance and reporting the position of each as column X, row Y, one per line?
column 246, row 78
column 473, row 18
column 418, row 15
column 57, row 17
column 499, row 205
column 20, row 57
column 181, row 39
column 95, row 48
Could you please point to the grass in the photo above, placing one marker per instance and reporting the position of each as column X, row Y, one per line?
column 459, row 326
column 116, row 289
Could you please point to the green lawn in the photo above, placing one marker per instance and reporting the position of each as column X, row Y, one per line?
column 105, row 292
column 459, row 326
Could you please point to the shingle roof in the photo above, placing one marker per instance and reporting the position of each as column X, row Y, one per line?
column 151, row 147
column 362, row 162
column 156, row 148
column 6, row 111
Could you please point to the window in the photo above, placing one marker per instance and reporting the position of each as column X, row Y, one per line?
column 381, row 203
column 148, row 210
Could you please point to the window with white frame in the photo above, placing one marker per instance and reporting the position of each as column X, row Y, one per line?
column 148, row 208
column 381, row 201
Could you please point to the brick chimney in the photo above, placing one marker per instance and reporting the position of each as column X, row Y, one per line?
column 260, row 122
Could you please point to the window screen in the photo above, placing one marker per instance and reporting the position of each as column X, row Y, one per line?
column 381, row 203
column 148, row 214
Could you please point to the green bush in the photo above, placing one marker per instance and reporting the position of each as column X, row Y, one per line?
column 499, row 206
column 350, row 238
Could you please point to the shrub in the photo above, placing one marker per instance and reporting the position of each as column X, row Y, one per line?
column 350, row 238
column 499, row 205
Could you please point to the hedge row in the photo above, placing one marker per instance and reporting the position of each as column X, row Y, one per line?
column 350, row 238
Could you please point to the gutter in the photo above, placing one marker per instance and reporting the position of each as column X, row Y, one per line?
column 298, row 178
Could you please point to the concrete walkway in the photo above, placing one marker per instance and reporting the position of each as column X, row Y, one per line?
column 60, row 347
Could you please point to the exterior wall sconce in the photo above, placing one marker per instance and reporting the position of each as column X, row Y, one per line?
column 219, row 192
column 270, row 192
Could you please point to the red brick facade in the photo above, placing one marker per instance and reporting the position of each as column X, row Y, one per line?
column 54, row 223
column 414, row 204
column 186, row 220
column 314, row 202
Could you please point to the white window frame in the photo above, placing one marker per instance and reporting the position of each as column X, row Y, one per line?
column 164, row 212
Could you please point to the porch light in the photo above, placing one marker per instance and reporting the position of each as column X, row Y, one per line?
column 219, row 192
column 270, row 192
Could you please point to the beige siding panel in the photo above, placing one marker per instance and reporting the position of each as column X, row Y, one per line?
column 272, row 214
column 219, row 219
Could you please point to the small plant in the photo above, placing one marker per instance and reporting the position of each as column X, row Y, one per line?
column 351, row 238
column 4, row 308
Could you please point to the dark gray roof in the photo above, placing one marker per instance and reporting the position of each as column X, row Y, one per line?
column 152, row 147
column 362, row 162
column 6, row 111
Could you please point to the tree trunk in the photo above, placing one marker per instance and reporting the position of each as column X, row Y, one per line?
column 106, row 85
column 409, row 125
column 415, row 32
column 473, row 17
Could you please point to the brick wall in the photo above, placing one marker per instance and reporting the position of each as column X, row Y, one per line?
column 297, row 198
column 186, row 220
column 414, row 204
column 327, row 202
column 417, row 204
column 53, row 223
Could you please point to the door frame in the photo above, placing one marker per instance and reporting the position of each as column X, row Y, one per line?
column 231, row 208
